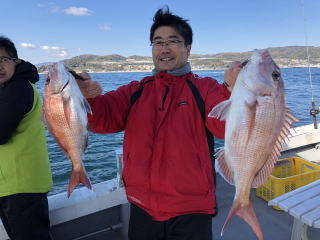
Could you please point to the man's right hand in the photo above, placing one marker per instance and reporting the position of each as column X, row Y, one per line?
column 231, row 74
column 88, row 87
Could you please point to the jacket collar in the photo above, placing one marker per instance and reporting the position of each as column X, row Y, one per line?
column 178, row 72
column 25, row 71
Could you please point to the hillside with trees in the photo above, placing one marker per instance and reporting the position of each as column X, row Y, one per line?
column 292, row 56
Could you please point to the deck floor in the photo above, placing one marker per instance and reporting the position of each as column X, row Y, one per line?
column 276, row 225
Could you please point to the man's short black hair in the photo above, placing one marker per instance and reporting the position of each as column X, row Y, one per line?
column 8, row 46
column 164, row 17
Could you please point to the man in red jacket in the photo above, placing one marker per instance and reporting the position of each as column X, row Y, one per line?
column 168, row 172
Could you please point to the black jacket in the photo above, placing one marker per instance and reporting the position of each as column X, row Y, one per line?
column 16, row 98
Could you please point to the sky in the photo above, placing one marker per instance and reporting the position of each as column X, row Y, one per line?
column 47, row 31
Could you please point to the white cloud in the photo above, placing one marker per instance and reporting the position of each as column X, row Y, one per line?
column 51, row 48
column 55, row 51
column 62, row 53
column 75, row 11
column 105, row 27
column 27, row 45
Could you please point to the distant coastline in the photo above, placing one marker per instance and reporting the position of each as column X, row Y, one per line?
column 138, row 71
column 285, row 57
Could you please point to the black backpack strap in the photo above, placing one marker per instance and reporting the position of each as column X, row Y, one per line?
column 135, row 96
column 210, row 139
column 202, row 111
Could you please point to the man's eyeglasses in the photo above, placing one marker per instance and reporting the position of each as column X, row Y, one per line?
column 168, row 43
column 5, row 60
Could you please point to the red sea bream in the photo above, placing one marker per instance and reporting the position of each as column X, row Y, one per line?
column 65, row 114
column 257, row 121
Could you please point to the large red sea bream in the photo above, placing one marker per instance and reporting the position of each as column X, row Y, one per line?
column 257, row 121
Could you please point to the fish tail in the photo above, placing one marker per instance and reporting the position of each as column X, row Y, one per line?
column 76, row 178
column 248, row 214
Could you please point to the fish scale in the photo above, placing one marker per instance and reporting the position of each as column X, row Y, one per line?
column 257, row 120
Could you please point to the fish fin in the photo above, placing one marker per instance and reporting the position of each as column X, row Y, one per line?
column 86, row 106
column 76, row 178
column 248, row 214
column 272, row 159
column 222, row 167
column 221, row 110
column 290, row 117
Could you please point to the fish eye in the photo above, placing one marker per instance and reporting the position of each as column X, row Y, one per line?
column 276, row 75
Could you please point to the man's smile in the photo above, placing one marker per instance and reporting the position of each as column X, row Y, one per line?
column 166, row 59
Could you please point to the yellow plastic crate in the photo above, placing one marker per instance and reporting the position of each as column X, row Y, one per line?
column 288, row 175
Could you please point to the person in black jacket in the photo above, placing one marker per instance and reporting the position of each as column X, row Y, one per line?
column 25, row 175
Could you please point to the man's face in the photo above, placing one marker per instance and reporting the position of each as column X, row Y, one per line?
column 7, row 66
column 169, row 51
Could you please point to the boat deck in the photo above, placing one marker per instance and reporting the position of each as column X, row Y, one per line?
column 276, row 225
column 104, row 213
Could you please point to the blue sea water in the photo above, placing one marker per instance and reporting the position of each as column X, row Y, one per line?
column 100, row 160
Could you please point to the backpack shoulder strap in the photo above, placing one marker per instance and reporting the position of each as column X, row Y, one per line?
column 136, row 95
column 201, row 107
column 198, row 99
column 210, row 139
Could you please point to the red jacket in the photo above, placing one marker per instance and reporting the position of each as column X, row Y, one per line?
column 167, row 168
